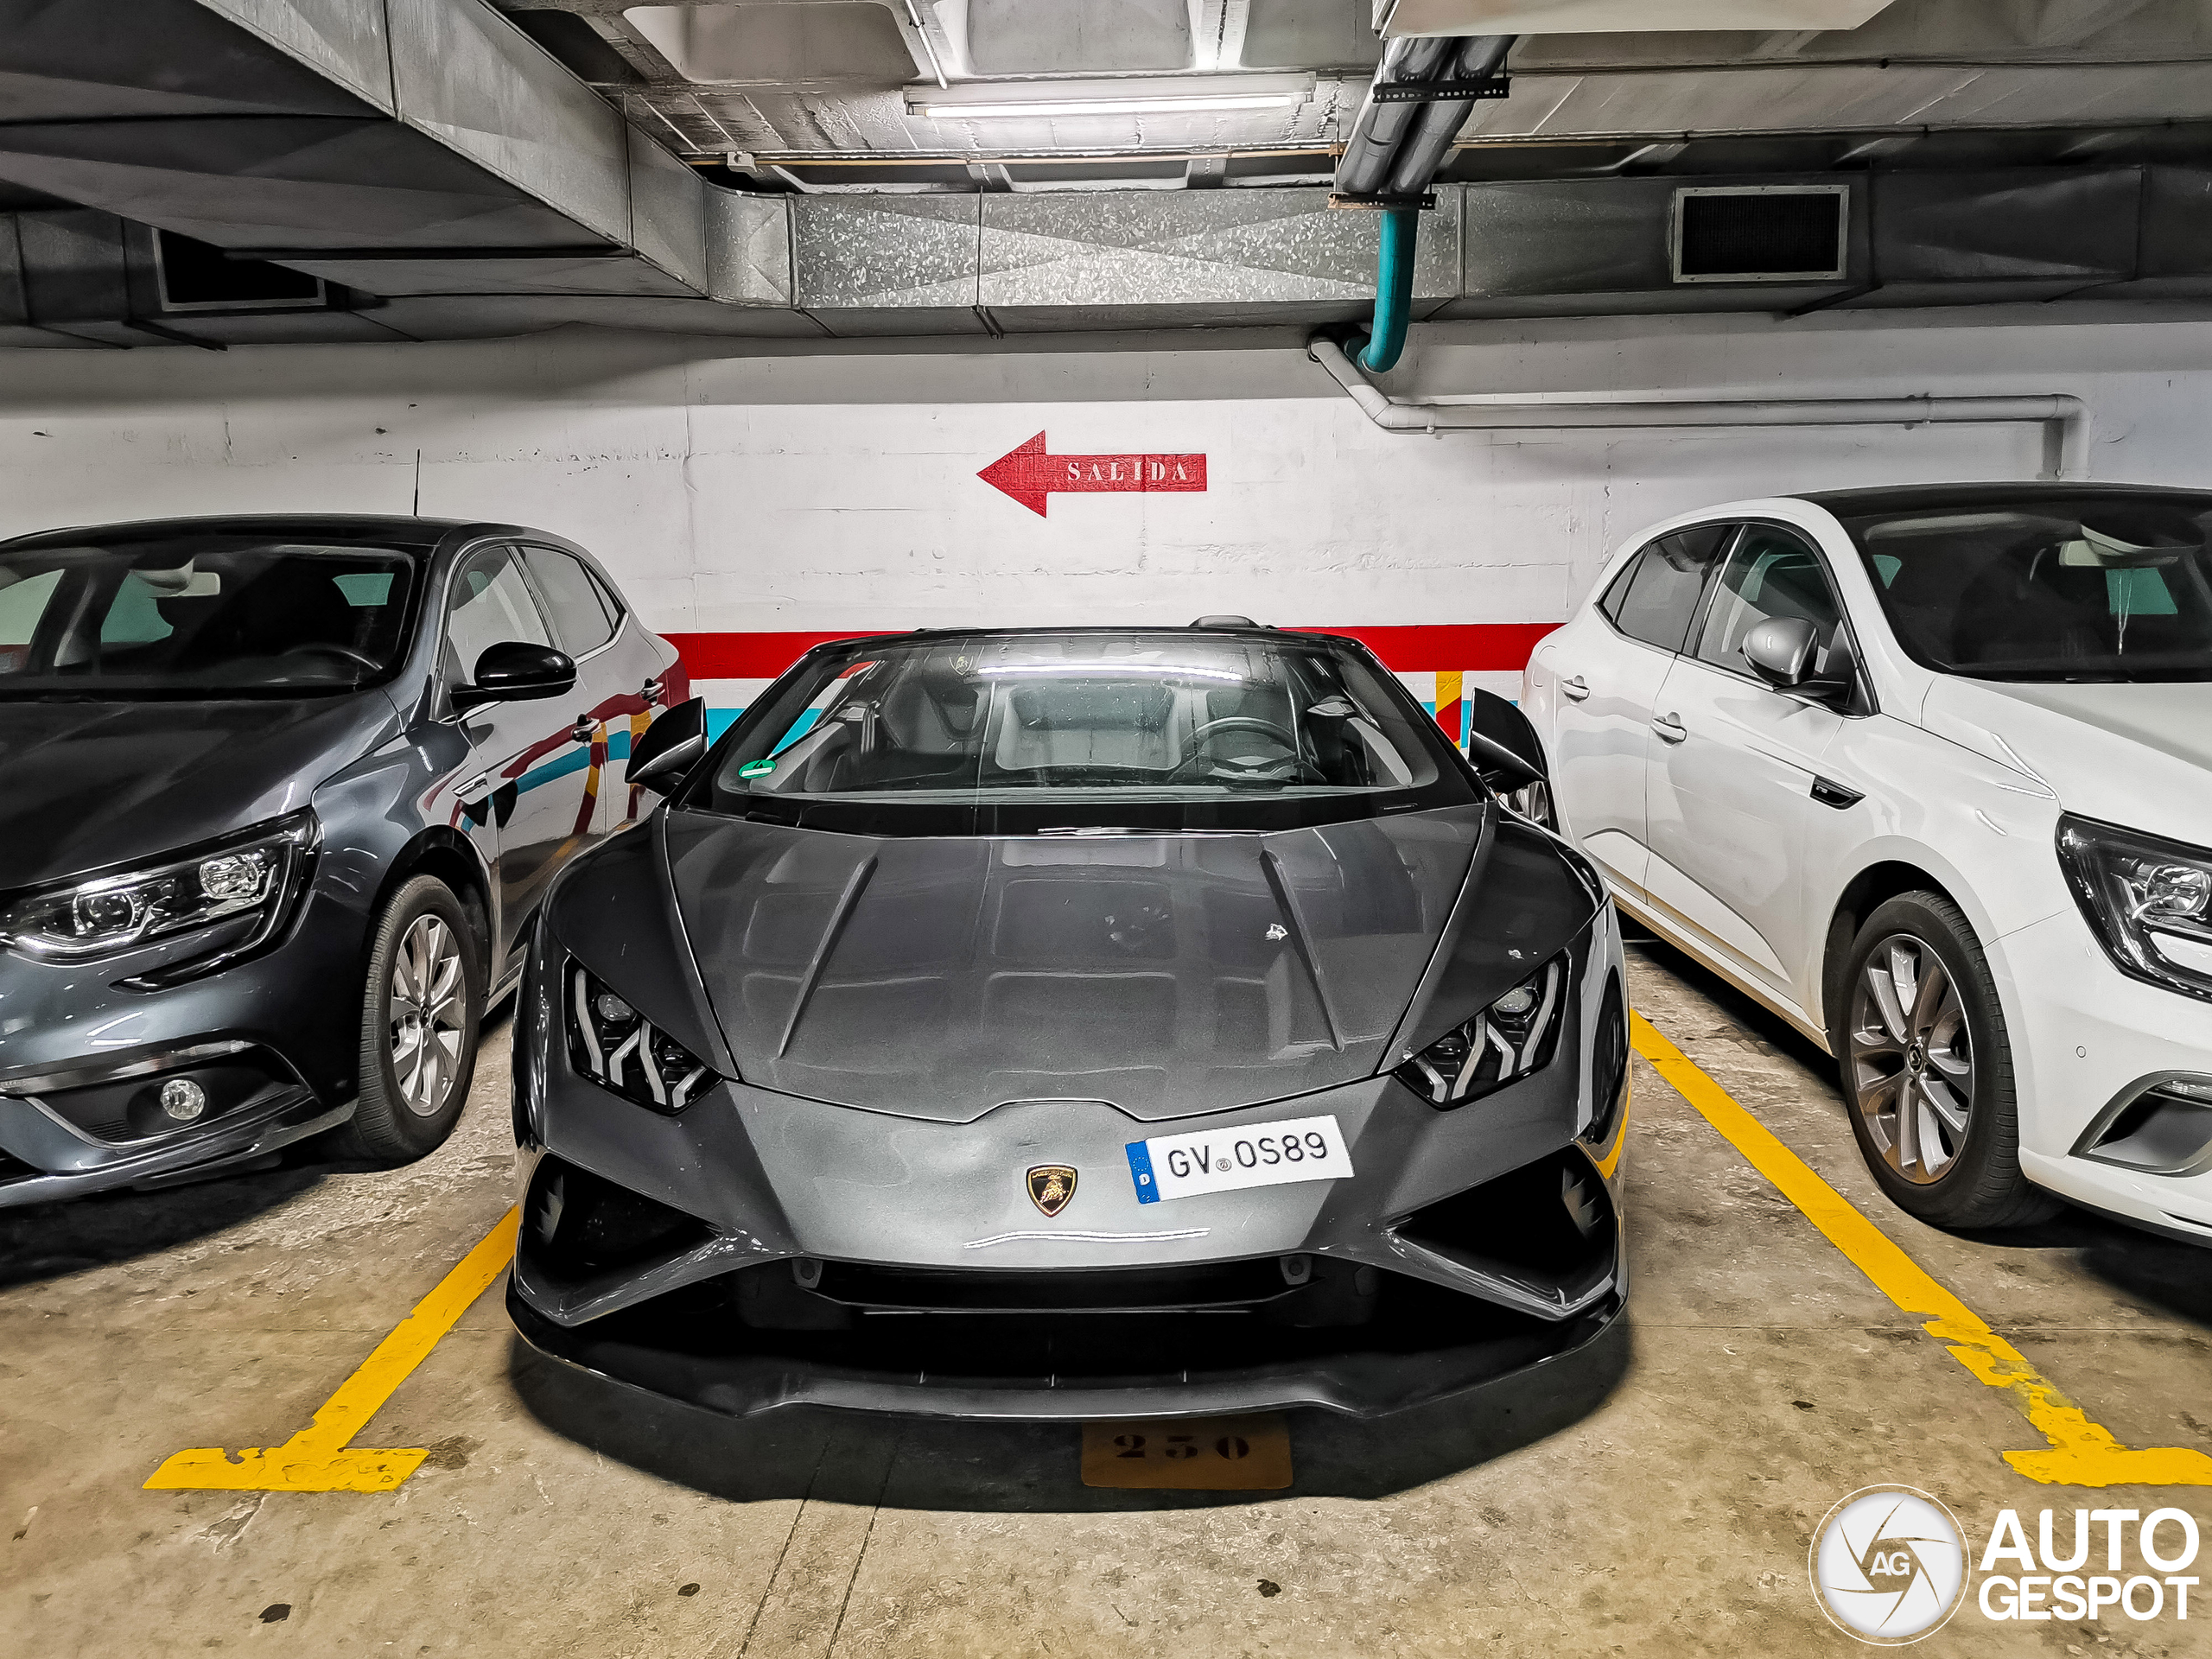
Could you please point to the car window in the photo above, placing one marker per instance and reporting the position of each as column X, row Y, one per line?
column 1136, row 728
column 491, row 604
column 607, row 596
column 1655, row 597
column 1770, row 573
column 23, row 600
column 2047, row 585
column 201, row 613
column 579, row 616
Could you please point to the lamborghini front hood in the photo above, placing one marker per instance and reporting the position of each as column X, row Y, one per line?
column 1167, row 974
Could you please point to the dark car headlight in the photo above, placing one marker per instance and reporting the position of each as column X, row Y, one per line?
column 250, row 874
column 2148, row 901
column 617, row 1047
column 1515, row 1037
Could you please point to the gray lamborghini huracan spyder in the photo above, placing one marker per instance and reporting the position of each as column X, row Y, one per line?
column 1074, row 1023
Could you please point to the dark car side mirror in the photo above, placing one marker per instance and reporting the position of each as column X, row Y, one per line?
column 1502, row 743
column 512, row 671
column 1780, row 651
column 670, row 744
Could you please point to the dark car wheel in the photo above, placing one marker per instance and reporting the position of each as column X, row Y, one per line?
column 1926, row 1069
column 420, row 1009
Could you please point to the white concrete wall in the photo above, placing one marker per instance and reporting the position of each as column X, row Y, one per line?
column 838, row 490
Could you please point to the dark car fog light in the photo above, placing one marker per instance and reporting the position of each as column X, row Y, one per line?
column 183, row 1099
column 182, row 1091
column 616, row 1046
column 1515, row 1037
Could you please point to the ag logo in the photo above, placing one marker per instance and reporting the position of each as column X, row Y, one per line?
column 1051, row 1186
column 1889, row 1565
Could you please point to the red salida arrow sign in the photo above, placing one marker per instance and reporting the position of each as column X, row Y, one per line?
column 1028, row 473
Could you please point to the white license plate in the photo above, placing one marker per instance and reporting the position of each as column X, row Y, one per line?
column 1222, row 1161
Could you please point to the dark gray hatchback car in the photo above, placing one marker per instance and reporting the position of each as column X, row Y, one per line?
column 278, row 799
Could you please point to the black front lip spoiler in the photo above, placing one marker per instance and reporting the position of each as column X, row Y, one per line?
column 1354, row 1385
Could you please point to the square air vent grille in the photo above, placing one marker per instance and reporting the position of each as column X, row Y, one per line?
column 196, row 277
column 1761, row 233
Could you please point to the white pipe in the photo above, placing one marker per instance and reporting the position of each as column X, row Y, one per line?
column 2064, row 418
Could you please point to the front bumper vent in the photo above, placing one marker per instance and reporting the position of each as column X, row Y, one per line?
column 2165, row 1129
column 576, row 1226
column 1543, row 1236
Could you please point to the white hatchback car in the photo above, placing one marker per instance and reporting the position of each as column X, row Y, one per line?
column 1927, row 771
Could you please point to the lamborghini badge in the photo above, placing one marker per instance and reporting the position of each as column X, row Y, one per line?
column 1051, row 1186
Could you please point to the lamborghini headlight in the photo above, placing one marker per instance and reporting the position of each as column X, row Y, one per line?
column 618, row 1048
column 2148, row 901
column 247, row 874
column 1515, row 1037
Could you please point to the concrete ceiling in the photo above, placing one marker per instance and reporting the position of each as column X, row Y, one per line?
column 771, row 168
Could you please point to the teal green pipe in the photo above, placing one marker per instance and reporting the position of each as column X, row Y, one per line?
column 1394, row 291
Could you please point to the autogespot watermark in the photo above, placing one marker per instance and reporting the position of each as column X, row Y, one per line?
column 2048, row 1585
column 1890, row 1565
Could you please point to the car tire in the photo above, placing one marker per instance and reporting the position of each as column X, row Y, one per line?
column 1926, row 1065
column 422, row 1002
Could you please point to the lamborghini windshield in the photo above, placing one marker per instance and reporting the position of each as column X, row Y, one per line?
column 1103, row 728
column 200, row 615
column 2111, row 585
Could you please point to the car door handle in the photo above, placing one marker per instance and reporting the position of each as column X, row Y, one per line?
column 1670, row 727
column 475, row 789
column 585, row 729
column 651, row 691
column 1574, row 689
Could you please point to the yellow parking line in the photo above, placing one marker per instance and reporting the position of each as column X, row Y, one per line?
column 2081, row 1452
column 317, row 1459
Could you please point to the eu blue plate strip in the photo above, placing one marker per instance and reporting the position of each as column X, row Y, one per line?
column 1141, row 1166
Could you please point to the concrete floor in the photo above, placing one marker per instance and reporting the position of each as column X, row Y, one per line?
column 1656, row 1498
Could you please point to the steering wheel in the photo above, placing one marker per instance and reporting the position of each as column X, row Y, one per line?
column 1196, row 743
column 331, row 649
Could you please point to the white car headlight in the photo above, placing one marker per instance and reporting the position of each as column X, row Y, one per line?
column 1515, row 1036
column 253, row 872
column 2148, row 901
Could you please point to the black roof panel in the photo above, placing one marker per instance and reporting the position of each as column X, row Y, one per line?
column 1921, row 498
column 393, row 529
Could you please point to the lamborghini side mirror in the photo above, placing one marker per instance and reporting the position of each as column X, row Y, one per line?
column 1502, row 744
column 670, row 746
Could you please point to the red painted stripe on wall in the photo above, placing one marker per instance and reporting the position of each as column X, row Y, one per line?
column 1496, row 647
column 1477, row 647
column 749, row 656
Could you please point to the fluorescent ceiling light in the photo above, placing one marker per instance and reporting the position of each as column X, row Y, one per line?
column 1153, row 95
column 1114, row 106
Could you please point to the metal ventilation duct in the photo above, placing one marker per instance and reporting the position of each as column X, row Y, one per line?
column 1612, row 246
column 1395, row 18
column 401, row 146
